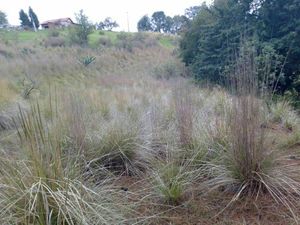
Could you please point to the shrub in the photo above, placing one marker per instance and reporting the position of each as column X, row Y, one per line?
column 129, row 41
column 291, row 141
column 247, row 166
column 53, row 32
column 79, row 34
column 27, row 51
column 120, row 150
column 124, row 41
column 173, row 178
column 28, row 86
column 168, row 70
column 281, row 112
column 169, row 182
column 87, row 60
column 7, row 92
column 184, row 116
column 5, row 122
column 106, row 42
column 5, row 53
column 54, row 42
column 45, row 188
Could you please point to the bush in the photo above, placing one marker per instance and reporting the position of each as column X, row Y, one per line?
column 124, row 41
column 170, row 184
column 214, row 36
column 246, row 165
column 169, row 70
column 106, row 42
column 79, row 34
column 173, row 178
column 87, row 60
column 282, row 113
column 120, row 150
column 54, row 42
column 6, row 122
column 129, row 41
column 53, row 32
column 44, row 188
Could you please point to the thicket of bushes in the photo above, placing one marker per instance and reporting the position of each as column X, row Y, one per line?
column 211, row 44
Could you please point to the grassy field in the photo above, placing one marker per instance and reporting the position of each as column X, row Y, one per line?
column 115, row 133
column 35, row 37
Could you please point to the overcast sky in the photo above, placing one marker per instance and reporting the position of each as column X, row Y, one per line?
column 96, row 10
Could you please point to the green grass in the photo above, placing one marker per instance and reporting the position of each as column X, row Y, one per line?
column 28, row 36
column 95, row 36
column 167, row 41
column 23, row 36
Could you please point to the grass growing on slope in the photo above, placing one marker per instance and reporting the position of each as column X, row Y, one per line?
column 43, row 188
column 248, row 166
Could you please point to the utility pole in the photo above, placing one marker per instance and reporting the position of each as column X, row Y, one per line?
column 33, row 23
column 127, row 22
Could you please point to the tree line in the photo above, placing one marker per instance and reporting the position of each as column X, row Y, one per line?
column 160, row 22
column 29, row 20
column 212, row 40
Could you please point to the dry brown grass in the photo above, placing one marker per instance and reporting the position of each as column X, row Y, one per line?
column 7, row 92
column 169, row 140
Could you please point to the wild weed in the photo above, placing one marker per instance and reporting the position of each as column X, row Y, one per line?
column 247, row 165
column 42, row 189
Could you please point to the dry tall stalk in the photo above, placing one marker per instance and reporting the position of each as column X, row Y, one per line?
column 184, row 115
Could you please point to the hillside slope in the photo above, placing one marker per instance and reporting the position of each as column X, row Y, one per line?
column 115, row 133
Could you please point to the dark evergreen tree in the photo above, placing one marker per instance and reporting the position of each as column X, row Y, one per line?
column 3, row 19
column 159, row 21
column 179, row 24
column 279, row 27
column 211, row 44
column 25, row 22
column 33, row 18
column 214, row 37
column 167, row 25
column 192, row 12
column 144, row 24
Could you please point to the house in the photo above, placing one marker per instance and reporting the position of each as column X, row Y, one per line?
column 57, row 23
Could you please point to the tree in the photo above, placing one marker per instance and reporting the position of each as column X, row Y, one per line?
column 213, row 39
column 192, row 12
column 3, row 19
column 167, row 26
column 212, row 42
column 159, row 21
column 33, row 18
column 25, row 22
column 107, row 24
column 179, row 23
column 279, row 26
column 145, row 24
column 79, row 33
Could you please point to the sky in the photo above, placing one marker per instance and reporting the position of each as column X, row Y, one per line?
column 96, row 10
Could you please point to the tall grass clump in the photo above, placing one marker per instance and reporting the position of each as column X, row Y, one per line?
column 282, row 113
column 170, row 183
column 7, row 92
column 40, row 188
column 119, row 148
column 248, row 166
column 173, row 178
column 184, row 115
